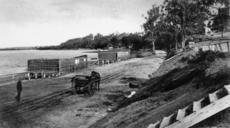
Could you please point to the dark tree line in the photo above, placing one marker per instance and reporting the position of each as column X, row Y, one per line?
column 133, row 41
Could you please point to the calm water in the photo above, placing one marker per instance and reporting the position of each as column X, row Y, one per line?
column 15, row 61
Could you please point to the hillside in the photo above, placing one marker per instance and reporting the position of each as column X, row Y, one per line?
column 176, row 84
column 134, row 41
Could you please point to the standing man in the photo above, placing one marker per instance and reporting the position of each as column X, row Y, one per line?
column 19, row 90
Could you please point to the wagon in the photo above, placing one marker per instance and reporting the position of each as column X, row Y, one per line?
column 84, row 84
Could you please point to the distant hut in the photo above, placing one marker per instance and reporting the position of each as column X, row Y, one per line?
column 111, row 56
column 105, row 57
column 81, row 62
column 123, row 54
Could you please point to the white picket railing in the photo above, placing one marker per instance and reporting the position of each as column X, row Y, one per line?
column 214, row 103
column 222, row 46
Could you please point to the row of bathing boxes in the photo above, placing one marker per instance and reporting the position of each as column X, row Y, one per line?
column 47, row 68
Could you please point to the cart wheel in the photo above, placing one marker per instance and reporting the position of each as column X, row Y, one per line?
column 76, row 90
column 94, row 86
column 90, row 90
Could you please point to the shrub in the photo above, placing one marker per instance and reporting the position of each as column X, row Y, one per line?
column 217, row 80
column 202, row 61
column 203, row 57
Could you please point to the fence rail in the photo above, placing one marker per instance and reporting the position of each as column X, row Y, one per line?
column 11, row 77
column 198, row 111
column 222, row 46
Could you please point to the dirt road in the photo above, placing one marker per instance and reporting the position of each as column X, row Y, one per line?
column 49, row 103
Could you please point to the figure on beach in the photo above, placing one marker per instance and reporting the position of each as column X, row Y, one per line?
column 19, row 90
column 96, row 75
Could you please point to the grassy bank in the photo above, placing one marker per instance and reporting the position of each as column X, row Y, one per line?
column 174, row 85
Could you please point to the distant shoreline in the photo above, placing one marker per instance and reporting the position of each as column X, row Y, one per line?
column 18, row 48
column 34, row 48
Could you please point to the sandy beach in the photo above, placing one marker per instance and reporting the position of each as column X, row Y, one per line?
column 47, row 107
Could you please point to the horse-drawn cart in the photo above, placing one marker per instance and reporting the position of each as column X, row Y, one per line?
column 85, row 84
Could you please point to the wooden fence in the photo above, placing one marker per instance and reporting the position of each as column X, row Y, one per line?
column 4, row 79
column 198, row 111
column 222, row 46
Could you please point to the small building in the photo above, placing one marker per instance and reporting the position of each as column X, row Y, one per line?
column 43, row 65
column 107, row 57
column 113, row 56
column 81, row 62
column 57, row 66
column 123, row 55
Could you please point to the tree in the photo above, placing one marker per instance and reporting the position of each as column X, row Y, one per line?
column 182, row 18
column 188, row 16
column 98, row 36
column 88, row 37
column 126, row 42
column 115, row 41
column 102, row 42
column 157, row 27
column 221, row 19
column 153, row 26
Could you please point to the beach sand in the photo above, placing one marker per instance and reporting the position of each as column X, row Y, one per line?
column 70, row 111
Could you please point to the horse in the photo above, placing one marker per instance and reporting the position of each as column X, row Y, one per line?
column 97, row 77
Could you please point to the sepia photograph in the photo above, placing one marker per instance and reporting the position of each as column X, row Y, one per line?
column 114, row 63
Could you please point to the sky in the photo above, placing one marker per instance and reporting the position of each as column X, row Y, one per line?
column 51, row 22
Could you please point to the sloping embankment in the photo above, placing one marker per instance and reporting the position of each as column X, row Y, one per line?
column 177, row 83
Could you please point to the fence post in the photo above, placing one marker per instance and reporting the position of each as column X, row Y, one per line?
column 228, row 46
column 220, row 48
column 36, row 75
column 217, row 48
column 28, row 74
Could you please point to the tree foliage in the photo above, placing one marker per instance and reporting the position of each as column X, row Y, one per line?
column 134, row 41
column 176, row 20
column 221, row 20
